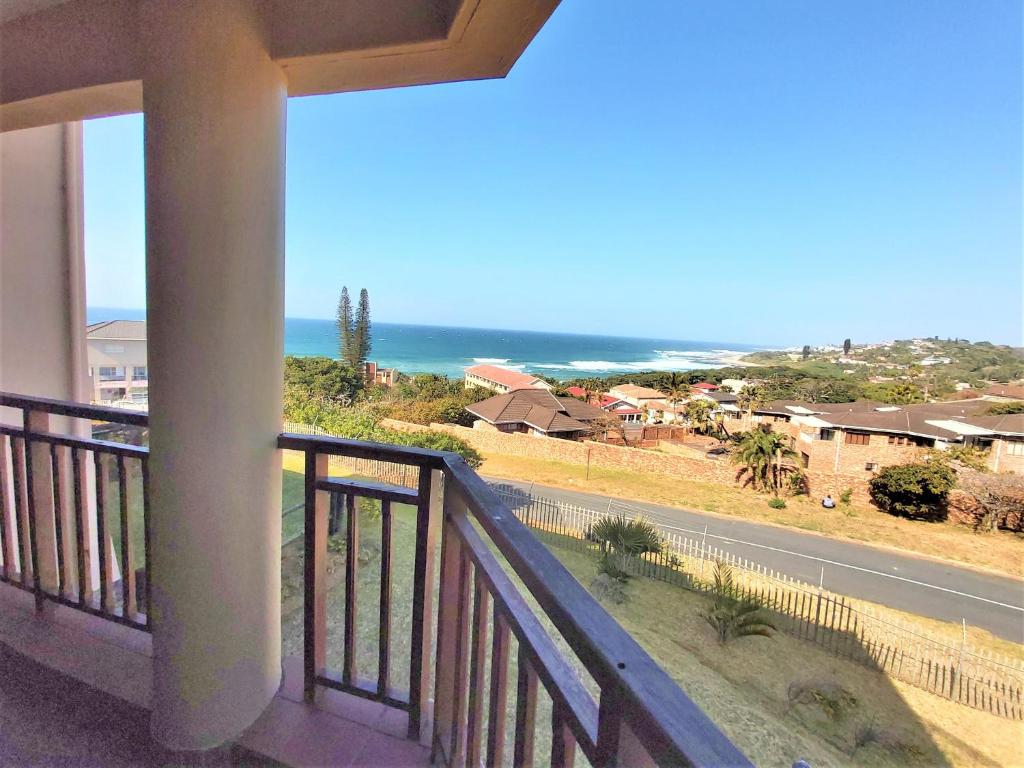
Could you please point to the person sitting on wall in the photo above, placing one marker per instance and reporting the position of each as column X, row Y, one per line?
column 828, row 503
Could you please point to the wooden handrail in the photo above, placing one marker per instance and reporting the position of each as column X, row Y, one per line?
column 73, row 409
column 636, row 692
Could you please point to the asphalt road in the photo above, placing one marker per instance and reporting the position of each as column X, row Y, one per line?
column 907, row 583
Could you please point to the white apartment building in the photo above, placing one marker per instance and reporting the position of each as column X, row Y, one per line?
column 117, row 361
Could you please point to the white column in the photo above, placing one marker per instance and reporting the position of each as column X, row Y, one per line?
column 214, row 108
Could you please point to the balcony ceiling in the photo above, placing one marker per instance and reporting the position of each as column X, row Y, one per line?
column 75, row 59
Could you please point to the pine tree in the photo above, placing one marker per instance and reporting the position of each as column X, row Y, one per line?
column 846, row 347
column 361, row 336
column 345, row 330
column 806, row 351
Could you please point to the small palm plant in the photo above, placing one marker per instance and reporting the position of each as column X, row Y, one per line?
column 624, row 539
column 730, row 616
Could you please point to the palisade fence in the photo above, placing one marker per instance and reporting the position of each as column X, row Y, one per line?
column 384, row 471
column 972, row 676
column 975, row 677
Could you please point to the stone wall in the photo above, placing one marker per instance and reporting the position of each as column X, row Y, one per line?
column 605, row 456
column 600, row 455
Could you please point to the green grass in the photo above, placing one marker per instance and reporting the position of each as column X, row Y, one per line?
column 292, row 494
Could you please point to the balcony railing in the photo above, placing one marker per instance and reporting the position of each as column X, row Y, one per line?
column 95, row 501
column 493, row 622
column 489, row 572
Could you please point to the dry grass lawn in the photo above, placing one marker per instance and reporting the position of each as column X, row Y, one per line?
column 744, row 687
column 1001, row 552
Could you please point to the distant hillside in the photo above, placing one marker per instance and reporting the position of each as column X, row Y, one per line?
column 901, row 372
column 942, row 362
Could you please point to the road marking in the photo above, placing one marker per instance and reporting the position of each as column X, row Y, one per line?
column 662, row 524
column 848, row 565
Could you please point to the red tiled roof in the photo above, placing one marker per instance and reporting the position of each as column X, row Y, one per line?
column 502, row 376
column 706, row 386
column 576, row 391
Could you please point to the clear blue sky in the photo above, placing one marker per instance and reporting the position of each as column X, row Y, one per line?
column 779, row 172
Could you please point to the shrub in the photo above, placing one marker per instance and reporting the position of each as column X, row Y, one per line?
column 846, row 496
column 797, row 484
column 916, row 491
column 624, row 539
column 731, row 617
column 776, row 503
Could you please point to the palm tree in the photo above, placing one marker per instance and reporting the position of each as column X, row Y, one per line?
column 678, row 391
column 762, row 452
column 624, row 539
column 748, row 398
column 730, row 616
column 698, row 413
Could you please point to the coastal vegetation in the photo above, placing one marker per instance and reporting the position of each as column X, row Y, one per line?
column 361, row 421
column 899, row 372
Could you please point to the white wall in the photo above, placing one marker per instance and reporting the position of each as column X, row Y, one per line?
column 42, row 287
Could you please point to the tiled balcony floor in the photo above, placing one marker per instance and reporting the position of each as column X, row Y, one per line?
column 49, row 719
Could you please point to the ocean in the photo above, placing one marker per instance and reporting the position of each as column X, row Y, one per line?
column 448, row 351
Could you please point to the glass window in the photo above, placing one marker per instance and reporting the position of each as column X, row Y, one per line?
column 870, row 466
column 827, row 434
column 1015, row 447
column 857, row 438
column 139, row 372
column 111, row 373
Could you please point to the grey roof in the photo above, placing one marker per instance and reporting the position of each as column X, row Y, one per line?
column 117, row 329
column 721, row 397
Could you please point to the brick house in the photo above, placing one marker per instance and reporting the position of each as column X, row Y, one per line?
column 857, row 439
column 535, row 412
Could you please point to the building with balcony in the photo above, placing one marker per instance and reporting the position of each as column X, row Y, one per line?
column 142, row 584
column 117, row 361
column 502, row 380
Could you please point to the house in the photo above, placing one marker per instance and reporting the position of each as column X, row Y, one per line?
column 625, row 411
column 635, row 395
column 536, row 412
column 666, row 412
column 117, row 361
column 705, row 387
column 501, row 380
column 208, row 675
column 857, row 439
column 734, row 385
column 578, row 392
column 374, row 374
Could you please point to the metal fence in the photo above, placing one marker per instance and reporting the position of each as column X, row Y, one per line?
column 972, row 676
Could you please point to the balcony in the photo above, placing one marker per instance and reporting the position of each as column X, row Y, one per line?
column 487, row 652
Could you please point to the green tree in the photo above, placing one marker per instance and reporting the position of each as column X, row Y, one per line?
column 913, row 490
column 730, row 616
column 749, row 397
column 998, row 409
column 321, row 378
column 806, row 351
column 361, row 333
column 846, row 347
column 345, row 329
column 624, row 539
column 698, row 413
column 763, row 455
